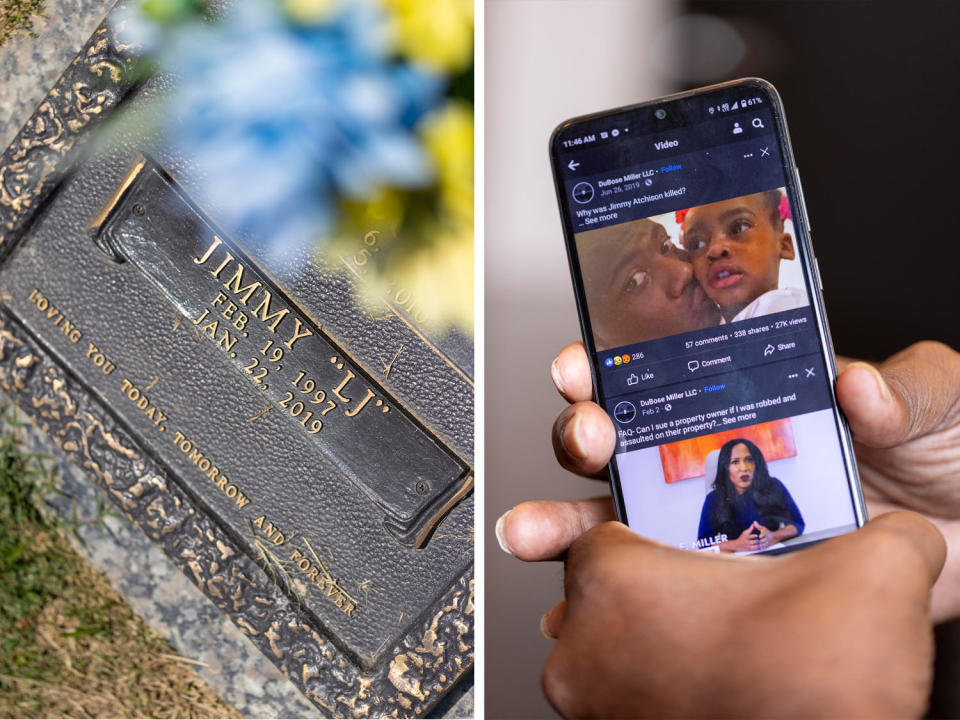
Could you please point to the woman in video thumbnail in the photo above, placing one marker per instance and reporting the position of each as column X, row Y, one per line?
column 747, row 510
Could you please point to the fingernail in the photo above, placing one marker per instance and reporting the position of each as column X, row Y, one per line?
column 572, row 445
column 881, row 383
column 499, row 533
column 544, row 630
column 557, row 378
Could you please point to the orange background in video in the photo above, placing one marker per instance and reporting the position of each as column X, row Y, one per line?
column 686, row 459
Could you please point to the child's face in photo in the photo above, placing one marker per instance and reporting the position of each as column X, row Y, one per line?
column 736, row 247
column 640, row 285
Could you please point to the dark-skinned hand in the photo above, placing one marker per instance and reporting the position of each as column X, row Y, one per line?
column 906, row 423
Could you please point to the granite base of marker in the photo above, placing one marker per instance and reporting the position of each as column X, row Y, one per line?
column 29, row 66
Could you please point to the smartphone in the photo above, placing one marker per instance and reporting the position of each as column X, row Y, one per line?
column 702, row 314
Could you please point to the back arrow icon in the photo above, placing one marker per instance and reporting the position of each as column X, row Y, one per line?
column 573, row 165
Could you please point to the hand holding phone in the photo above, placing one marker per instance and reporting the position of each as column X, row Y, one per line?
column 904, row 411
column 702, row 316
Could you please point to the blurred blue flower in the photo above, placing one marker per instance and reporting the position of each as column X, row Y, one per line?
column 282, row 119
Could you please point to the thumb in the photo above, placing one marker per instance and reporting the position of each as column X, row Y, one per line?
column 551, row 624
column 913, row 393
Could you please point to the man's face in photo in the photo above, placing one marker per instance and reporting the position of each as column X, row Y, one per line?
column 639, row 285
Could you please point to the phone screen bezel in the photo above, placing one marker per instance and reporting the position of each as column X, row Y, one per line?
column 682, row 111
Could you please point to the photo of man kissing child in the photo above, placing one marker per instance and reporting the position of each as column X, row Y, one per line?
column 690, row 269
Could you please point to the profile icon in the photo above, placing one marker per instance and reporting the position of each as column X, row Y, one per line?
column 583, row 192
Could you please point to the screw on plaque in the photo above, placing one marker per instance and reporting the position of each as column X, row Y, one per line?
column 422, row 488
column 139, row 210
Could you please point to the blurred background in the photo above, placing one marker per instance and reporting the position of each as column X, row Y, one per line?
column 872, row 106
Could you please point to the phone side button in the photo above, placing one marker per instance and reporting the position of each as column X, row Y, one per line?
column 803, row 200
column 816, row 271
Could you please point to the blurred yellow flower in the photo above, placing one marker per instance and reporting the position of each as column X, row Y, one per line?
column 437, row 33
column 448, row 137
column 414, row 250
column 432, row 285
column 382, row 210
column 443, row 278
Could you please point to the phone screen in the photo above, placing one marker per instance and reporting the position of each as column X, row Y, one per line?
column 702, row 314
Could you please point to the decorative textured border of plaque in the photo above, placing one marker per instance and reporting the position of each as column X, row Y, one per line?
column 426, row 662
column 44, row 150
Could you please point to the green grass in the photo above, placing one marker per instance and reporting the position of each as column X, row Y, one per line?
column 16, row 16
column 69, row 644
column 32, row 561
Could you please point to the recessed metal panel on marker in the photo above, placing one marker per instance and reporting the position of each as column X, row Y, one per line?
column 310, row 381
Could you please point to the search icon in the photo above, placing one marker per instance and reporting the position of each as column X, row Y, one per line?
column 757, row 123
